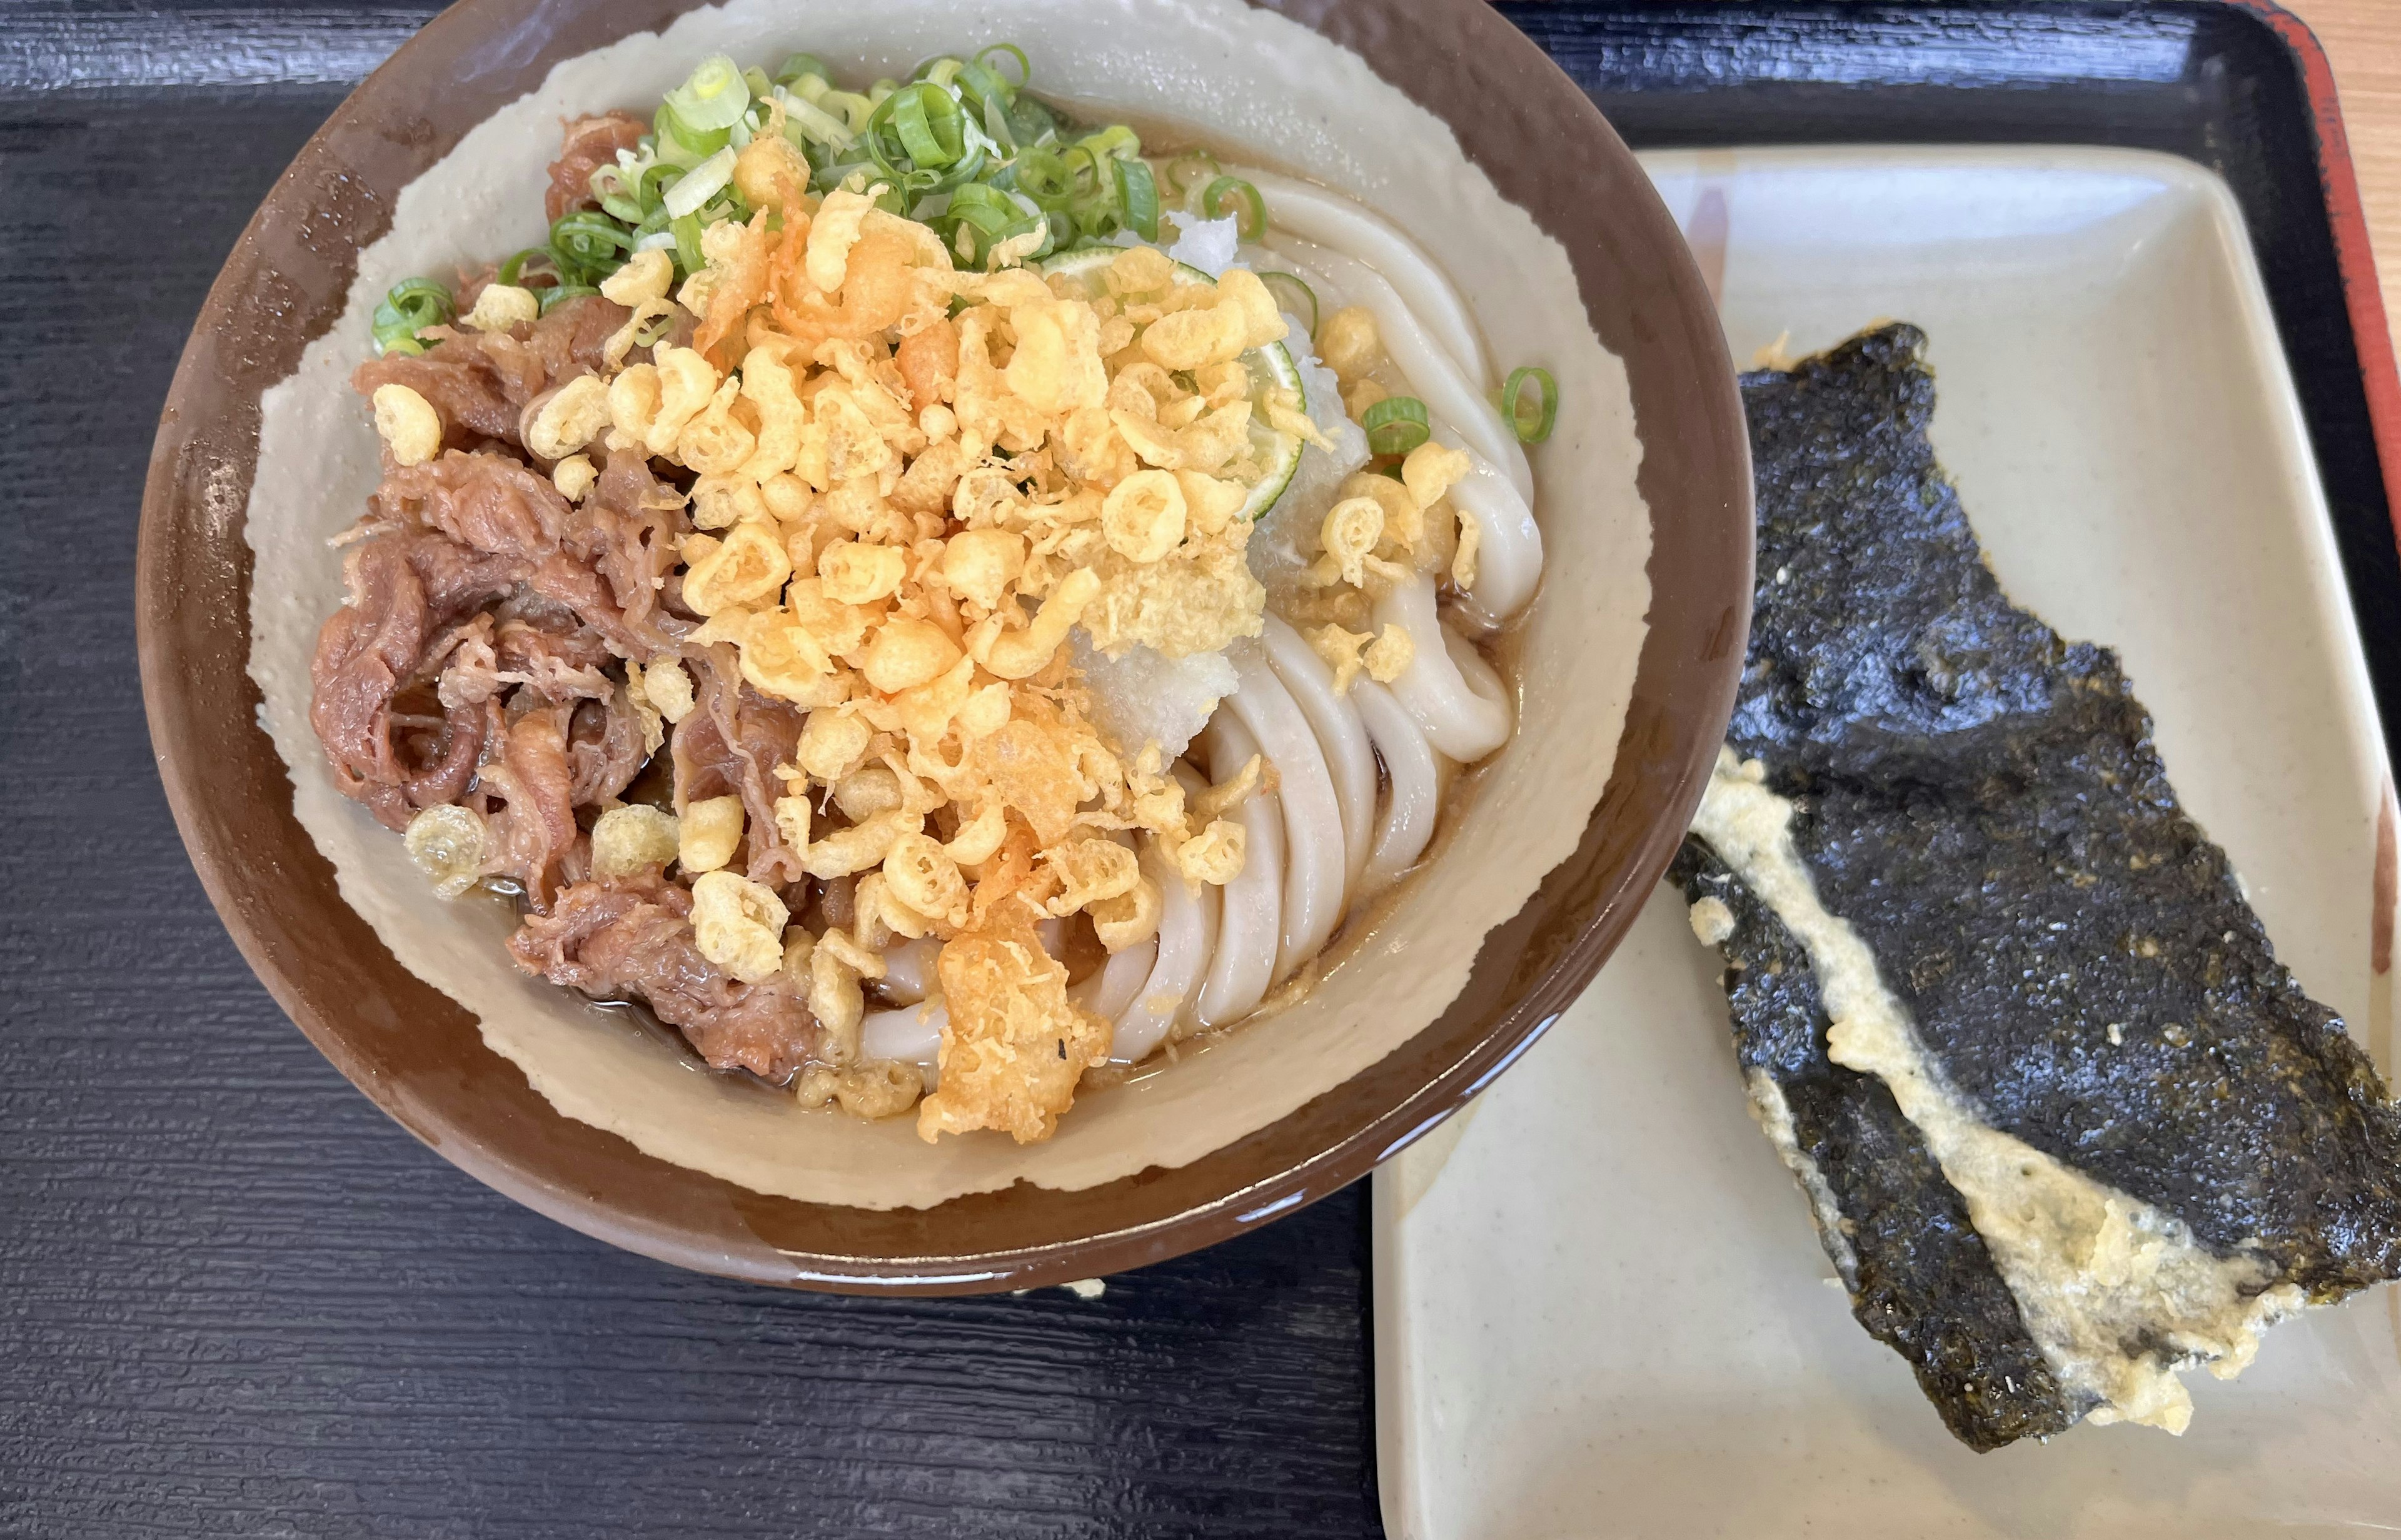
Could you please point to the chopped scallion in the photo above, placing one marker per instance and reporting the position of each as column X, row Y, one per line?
column 1395, row 425
column 1025, row 66
column 699, row 185
column 1293, row 295
column 1190, row 170
column 1138, row 199
column 797, row 67
column 1530, row 402
column 714, row 96
column 687, row 244
column 413, row 304
column 1251, row 210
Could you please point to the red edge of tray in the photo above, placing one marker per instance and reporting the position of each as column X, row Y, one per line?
column 2371, row 334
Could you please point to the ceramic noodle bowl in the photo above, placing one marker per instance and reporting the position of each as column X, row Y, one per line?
column 1468, row 914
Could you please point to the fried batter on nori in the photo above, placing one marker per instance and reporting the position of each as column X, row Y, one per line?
column 1982, row 803
column 1919, row 1276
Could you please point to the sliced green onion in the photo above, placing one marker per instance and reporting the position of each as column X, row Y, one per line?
column 1190, row 170
column 559, row 293
column 1025, row 66
column 687, row 240
column 514, row 267
column 1116, row 142
column 978, row 196
column 855, row 109
column 915, row 133
column 1531, row 420
column 1395, row 425
column 800, row 66
column 700, row 184
column 978, row 85
column 413, row 304
column 1251, row 220
column 814, row 123
column 1292, row 295
column 945, row 132
column 995, row 124
column 1045, row 176
column 714, row 96
column 1030, row 122
column 650, row 191
column 1138, row 199
column 654, row 330
column 585, row 243
column 618, row 189
column 685, row 140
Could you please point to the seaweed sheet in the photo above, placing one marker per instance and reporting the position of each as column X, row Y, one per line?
column 1982, row 803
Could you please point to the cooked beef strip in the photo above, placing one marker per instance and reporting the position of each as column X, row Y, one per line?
column 479, row 382
column 528, row 795
column 407, row 588
column 633, row 940
column 730, row 746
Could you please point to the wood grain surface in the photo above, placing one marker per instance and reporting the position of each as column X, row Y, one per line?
column 2363, row 42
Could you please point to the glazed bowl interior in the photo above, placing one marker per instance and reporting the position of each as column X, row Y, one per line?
column 1231, row 1137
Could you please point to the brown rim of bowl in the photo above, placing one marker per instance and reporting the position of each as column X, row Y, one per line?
column 420, row 1055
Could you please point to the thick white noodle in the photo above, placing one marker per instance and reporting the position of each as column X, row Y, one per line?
column 1316, row 872
column 1188, row 936
column 1450, row 394
column 909, row 970
column 1330, row 836
column 1481, row 676
column 1118, row 984
column 911, row 1034
column 1340, row 736
column 1458, row 719
column 1251, row 913
column 1334, row 221
column 1416, row 799
column 1509, row 555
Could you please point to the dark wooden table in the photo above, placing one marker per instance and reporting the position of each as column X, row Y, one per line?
column 234, row 1297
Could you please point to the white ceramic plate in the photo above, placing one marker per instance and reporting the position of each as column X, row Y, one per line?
column 1599, row 1305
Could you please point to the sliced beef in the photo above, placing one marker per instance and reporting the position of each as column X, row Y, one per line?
column 632, row 525
column 634, row 939
column 527, row 790
column 547, row 645
column 408, row 588
column 480, row 382
column 730, row 746
column 601, row 562
column 604, row 747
